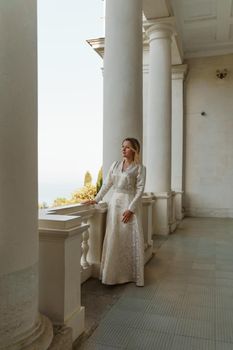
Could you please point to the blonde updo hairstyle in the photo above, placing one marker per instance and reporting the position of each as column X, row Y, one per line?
column 135, row 146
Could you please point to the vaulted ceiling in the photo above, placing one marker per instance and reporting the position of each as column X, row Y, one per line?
column 205, row 27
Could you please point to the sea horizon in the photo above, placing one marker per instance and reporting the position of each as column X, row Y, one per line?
column 48, row 192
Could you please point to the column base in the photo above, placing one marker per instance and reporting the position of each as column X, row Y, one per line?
column 39, row 338
column 173, row 226
column 179, row 212
column 147, row 224
column 162, row 213
column 76, row 322
column 173, row 221
column 148, row 253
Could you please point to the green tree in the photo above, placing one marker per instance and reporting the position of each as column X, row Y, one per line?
column 99, row 180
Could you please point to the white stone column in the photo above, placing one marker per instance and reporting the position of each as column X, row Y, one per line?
column 145, row 79
column 21, row 327
column 178, row 75
column 122, row 76
column 158, row 143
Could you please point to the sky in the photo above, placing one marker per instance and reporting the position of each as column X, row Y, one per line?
column 69, row 95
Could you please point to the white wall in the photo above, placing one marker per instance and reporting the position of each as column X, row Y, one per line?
column 209, row 139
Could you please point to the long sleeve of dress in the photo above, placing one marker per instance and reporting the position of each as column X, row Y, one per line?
column 108, row 182
column 140, row 185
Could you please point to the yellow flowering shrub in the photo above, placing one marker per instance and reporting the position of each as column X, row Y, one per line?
column 58, row 202
column 88, row 191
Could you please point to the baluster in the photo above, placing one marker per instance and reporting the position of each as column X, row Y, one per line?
column 85, row 249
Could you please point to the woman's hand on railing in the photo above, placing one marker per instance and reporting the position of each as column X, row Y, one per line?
column 89, row 201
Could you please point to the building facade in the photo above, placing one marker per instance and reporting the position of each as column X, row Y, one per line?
column 187, row 112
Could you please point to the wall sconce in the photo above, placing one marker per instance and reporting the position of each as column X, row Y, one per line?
column 221, row 74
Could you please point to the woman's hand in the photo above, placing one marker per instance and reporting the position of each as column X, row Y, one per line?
column 89, row 201
column 127, row 215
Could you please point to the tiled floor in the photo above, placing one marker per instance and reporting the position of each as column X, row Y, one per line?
column 187, row 301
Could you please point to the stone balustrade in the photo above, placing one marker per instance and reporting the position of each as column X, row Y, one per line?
column 71, row 240
column 92, row 238
column 60, row 238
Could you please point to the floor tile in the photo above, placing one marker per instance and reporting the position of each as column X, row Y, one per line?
column 187, row 301
column 196, row 328
column 191, row 343
column 158, row 323
column 149, row 340
column 198, row 313
column 111, row 334
column 224, row 331
column 199, row 299
column 132, row 304
column 95, row 346
column 203, row 266
column 224, row 282
column 123, row 317
column 224, row 274
column 224, row 346
column 164, row 308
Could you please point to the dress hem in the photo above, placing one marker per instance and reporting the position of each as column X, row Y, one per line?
column 122, row 282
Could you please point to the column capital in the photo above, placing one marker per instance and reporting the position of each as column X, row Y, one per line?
column 179, row 71
column 160, row 28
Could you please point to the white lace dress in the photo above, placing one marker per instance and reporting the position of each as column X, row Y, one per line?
column 123, row 248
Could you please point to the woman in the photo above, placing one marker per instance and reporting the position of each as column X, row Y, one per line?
column 123, row 247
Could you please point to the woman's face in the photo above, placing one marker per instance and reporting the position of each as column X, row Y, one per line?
column 127, row 151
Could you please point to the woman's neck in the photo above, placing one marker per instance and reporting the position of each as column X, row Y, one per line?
column 127, row 161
